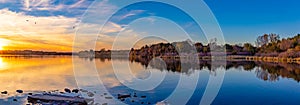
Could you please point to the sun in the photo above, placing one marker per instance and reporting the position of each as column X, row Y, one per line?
column 1, row 46
column 3, row 43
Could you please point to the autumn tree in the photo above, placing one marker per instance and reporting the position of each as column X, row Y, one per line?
column 249, row 48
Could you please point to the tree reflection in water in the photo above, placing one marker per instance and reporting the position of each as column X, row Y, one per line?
column 264, row 70
column 267, row 71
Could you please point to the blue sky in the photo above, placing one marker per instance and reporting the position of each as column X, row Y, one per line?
column 240, row 20
column 243, row 20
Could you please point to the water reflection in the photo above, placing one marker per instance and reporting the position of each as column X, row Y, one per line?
column 273, row 71
column 56, row 73
column 36, row 73
column 2, row 64
column 264, row 70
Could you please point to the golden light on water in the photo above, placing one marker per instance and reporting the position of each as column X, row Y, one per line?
column 2, row 64
column 30, row 74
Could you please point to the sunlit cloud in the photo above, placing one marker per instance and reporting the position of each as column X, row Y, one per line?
column 30, row 29
column 22, row 24
column 25, row 31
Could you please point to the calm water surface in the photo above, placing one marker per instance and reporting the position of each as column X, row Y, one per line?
column 246, row 83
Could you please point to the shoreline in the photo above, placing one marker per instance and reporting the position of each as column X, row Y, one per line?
column 241, row 58
column 228, row 57
column 265, row 59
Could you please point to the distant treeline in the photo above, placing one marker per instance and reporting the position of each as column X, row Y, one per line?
column 267, row 45
column 103, row 53
column 187, row 48
column 30, row 52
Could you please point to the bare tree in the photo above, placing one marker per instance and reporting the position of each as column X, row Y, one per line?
column 266, row 38
column 274, row 37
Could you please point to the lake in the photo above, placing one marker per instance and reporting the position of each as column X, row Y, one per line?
column 150, row 82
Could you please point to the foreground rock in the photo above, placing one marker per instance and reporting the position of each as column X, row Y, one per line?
column 67, row 90
column 19, row 91
column 57, row 99
column 4, row 92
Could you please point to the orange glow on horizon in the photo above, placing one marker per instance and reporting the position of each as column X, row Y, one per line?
column 34, row 44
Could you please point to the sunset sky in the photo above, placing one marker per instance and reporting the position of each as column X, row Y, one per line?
column 51, row 25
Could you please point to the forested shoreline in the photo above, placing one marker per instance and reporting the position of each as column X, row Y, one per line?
column 268, row 47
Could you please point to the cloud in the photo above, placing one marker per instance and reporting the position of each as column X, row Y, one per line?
column 112, row 28
column 53, row 5
column 111, row 33
column 77, row 4
column 28, row 30
column 106, row 8
column 41, row 5
column 6, row 1
column 37, row 4
column 127, row 14
column 57, row 32
column 98, row 12
column 150, row 19
column 14, row 23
